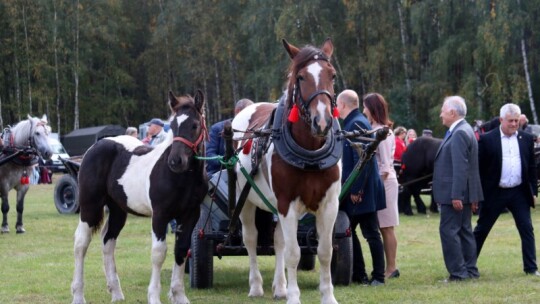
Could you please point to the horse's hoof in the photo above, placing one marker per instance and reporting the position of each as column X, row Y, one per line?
column 4, row 229
column 20, row 229
column 256, row 293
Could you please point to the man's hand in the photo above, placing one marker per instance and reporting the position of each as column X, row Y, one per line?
column 356, row 198
column 474, row 207
column 457, row 204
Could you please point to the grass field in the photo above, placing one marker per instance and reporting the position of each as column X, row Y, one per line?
column 37, row 267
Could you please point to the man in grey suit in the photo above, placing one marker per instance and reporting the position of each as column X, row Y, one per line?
column 456, row 188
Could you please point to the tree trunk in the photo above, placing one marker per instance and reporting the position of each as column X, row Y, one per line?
column 218, row 92
column 234, row 82
column 17, row 76
column 167, row 59
column 27, row 61
column 76, row 69
column 528, row 80
column 55, row 33
column 405, row 57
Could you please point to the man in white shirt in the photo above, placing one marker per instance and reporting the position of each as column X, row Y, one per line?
column 508, row 175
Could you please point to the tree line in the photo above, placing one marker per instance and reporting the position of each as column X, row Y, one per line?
column 87, row 63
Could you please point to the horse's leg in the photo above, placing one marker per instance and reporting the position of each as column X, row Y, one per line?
column 159, row 252
column 184, row 229
column 5, row 210
column 21, row 192
column 249, row 235
column 289, row 225
column 326, row 217
column 177, row 294
column 83, row 236
column 279, row 286
column 109, row 234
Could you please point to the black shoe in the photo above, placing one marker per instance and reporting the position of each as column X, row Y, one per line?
column 533, row 273
column 375, row 282
column 452, row 279
column 394, row 274
column 362, row 280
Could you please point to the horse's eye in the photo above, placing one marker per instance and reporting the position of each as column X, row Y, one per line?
column 195, row 126
column 300, row 77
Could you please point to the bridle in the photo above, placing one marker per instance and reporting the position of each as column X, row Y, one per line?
column 304, row 104
column 193, row 145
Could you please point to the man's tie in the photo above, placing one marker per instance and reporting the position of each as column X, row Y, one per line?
column 447, row 134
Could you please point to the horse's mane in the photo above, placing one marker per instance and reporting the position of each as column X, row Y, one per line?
column 22, row 131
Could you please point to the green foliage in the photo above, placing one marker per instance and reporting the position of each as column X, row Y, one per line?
column 132, row 52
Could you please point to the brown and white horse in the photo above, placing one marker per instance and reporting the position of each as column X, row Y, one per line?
column 164, row 182
column 299, row 173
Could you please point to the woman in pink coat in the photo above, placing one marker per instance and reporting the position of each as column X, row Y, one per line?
column 376, row 110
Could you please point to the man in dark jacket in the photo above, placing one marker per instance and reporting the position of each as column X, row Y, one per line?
column 366, row 195
column 216, row 146
column 508, row 174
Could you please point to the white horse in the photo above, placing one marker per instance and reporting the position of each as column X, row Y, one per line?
column 28, row 138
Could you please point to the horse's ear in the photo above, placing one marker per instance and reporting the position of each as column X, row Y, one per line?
column 44, row 119
column 291, row 49
column 199, row 101
column 172, row 100
column 328, row 47
column 29, row 117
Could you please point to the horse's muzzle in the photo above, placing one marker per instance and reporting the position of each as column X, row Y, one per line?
column 321, row 129
column 178, row 166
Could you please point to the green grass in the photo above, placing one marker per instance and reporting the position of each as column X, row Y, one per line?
column 37, row 267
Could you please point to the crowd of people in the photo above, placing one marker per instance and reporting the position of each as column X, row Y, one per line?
column 489, row 174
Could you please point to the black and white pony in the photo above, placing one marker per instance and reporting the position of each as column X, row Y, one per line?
column 164, row 182
column 25, row 142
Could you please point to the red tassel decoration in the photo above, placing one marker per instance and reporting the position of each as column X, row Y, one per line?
column 294, row 114
column 247, row 147
column 24, row 179
column 335, row 113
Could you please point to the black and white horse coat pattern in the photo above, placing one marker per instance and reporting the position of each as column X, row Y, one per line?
column 165, row 182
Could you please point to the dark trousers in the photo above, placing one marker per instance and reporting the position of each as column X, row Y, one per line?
column 515, row 200
column 369, row 225
column 458, row 243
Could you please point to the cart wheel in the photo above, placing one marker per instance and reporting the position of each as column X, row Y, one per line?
column 201, row 261
column 342, row 257
column 66, row 195
column 307, row 262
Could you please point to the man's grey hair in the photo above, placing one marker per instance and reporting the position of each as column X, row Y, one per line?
column 510, row 109
column 241, row 104
column 131, row 130
column 456, row 103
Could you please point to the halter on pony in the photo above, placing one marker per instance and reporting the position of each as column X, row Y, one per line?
column 193, row 145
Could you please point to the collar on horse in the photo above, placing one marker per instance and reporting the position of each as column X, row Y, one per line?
column 293, row 154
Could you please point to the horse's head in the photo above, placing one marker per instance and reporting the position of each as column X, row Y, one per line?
column 311, row 86
column 188, row 128
column 39, row 138
column 33, row 132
